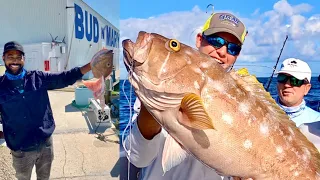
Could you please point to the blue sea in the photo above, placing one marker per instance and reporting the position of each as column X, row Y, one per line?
column 312, row 99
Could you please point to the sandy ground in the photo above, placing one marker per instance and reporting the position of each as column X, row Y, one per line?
column 6, row 169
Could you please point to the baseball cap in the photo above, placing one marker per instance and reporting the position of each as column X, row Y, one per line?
column 225, row 22
column 12, row 45
column 297, row 68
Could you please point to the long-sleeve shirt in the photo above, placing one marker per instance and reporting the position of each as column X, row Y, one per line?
column 147, row 154
column 27, row 117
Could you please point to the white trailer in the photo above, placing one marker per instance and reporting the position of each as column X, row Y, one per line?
column 43, row 57
column 57, row 34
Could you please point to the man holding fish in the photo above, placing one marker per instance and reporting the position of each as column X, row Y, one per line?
column 28, row 122
column 224, row 119
column 222, row 38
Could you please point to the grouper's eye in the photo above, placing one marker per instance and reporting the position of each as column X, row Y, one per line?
column 173, row 45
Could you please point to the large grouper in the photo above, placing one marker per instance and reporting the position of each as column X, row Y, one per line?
column 224, row 119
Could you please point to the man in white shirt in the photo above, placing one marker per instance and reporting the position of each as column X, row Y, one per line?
column 222, row 39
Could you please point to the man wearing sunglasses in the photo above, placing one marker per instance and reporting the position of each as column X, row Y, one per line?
column 222, row 37
column 293, row 84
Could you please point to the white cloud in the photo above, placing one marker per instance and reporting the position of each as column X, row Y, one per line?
column 297, row 26
column 308, row 49
column 302, row 8
column 283, row 7
column 267, row 31
column 313, row 24
column 256, row 12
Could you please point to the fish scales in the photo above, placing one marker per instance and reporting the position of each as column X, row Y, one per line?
column 229, row 122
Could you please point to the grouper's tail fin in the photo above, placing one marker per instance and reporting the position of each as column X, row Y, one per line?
column 96, row 86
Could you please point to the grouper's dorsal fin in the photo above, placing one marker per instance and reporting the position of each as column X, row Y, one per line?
column 251, row 84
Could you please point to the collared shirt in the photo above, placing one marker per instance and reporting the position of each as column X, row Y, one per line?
column 300, row 114
column 307, row 119
column 27, row 116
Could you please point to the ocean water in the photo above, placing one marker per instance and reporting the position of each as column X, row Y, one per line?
column 312, row 98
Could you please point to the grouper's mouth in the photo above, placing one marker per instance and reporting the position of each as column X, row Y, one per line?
column 127, row 54
column 131, row 49
column 135, row 54
column 130, row 64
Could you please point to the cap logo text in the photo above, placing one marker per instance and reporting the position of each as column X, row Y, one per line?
column 292, row 63
column 230, row 18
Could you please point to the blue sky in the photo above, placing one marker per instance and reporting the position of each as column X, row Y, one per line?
column 144, row 9
column 266, row 21
column 109, row 9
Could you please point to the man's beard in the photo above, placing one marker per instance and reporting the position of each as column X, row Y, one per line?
column 10, row 71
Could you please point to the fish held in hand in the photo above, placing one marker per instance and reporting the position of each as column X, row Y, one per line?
column 101, row 66
column 226, row 120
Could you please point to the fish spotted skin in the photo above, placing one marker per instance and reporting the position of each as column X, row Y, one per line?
column 229, row 122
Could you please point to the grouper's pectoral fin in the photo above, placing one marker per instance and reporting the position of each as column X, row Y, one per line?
column 173, row 154
column 195, row 114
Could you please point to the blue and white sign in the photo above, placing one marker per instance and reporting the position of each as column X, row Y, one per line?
column 87, row 27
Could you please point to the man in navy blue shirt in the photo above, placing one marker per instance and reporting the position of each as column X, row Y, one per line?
column 26, row 111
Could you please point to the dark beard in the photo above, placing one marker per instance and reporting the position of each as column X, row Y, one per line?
column 9, row 70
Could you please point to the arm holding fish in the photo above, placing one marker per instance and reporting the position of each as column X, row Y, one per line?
column 143, row 150
column 86, row 68
column 65, row 78
column 148, row 126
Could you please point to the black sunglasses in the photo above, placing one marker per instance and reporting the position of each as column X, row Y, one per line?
column 217, row 42
column 282, row 78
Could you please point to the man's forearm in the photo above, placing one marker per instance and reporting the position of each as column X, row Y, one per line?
column 86, row 68
column 148, row 126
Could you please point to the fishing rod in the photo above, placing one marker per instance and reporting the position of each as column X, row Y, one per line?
column 275, row 66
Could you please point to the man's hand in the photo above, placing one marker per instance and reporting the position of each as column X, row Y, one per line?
column 148, row 126
column 86, row 68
